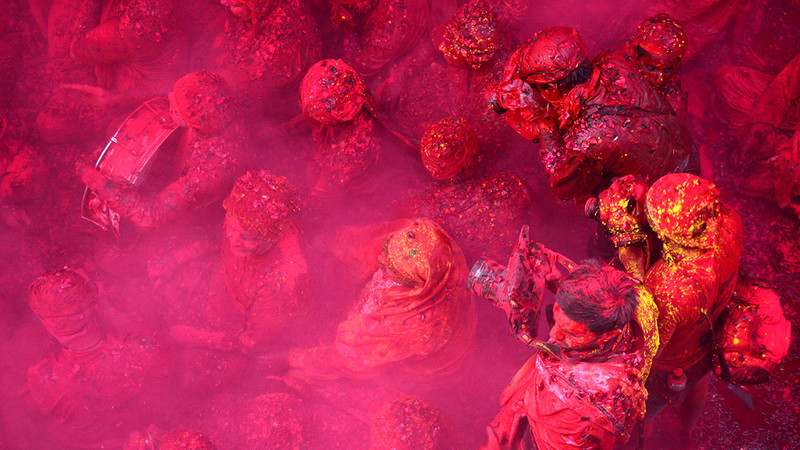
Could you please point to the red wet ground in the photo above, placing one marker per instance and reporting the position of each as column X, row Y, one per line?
column 41, row 230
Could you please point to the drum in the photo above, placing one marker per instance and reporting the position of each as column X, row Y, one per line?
column 129, row 154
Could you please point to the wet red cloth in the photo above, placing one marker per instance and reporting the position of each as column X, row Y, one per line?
column 664, row 41
column 588, row 402
column 419, row 331
column 523, row 104
column 616, row 124
column 551, row 55
column 692, row 284
column 96, row 395
column 270, row 289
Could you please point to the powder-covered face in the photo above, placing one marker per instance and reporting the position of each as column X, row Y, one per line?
column 655, row 69
column 570, row 334
column 242, row 242
column 407, row 253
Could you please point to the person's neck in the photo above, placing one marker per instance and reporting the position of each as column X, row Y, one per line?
column 92, row 339
column 676, row 252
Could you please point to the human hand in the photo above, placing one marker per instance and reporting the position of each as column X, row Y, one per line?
column 89, row 175
column 95, row 96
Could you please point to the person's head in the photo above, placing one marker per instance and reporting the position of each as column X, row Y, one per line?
column 259, row 209
column 202, row 100
column 411, row 423
column 471, row 37
column 658, row 47
column 66, row 304
column 413, row 254
column 449, row 148
column 351, row 12
column 274, row 420
column 249, row 10
column 332, row 92
column 679, row 208
column 592, row 305
column 555, row 61
column 185, row 439
column 620, row 208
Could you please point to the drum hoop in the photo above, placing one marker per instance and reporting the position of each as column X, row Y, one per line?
column 114, row 140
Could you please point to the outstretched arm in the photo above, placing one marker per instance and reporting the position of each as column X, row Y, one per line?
column 210, row 176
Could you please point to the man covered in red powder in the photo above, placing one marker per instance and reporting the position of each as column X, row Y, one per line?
column 477, row 38
column 621, row 211
column 611, row 120
column 657, row 49
column 584, row 387
column 464, row 56
column 414, row 322
column 692, row 283
column 99, row 383
column 769, row 106
column 334, row 99
column 265, row 268
column 707, row 21
column 482, row 213
column 267, row 47
column 209, row 157
column 135, row 47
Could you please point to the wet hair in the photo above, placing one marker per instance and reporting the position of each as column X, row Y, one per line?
column 580, row 75
column 640, row 52
column 598, row 296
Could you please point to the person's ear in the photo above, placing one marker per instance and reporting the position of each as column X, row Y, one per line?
column 608, row 336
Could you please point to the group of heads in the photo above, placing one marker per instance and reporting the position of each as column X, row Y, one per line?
column 555, row 59
column 594, row 301
column 677, row 208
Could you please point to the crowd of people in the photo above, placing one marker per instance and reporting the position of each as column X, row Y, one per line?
column 292, row 209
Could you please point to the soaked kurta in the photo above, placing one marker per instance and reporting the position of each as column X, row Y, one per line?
column 414, row 320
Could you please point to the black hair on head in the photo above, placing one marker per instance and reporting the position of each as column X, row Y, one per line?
column 580, row 75
column 598, row 296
